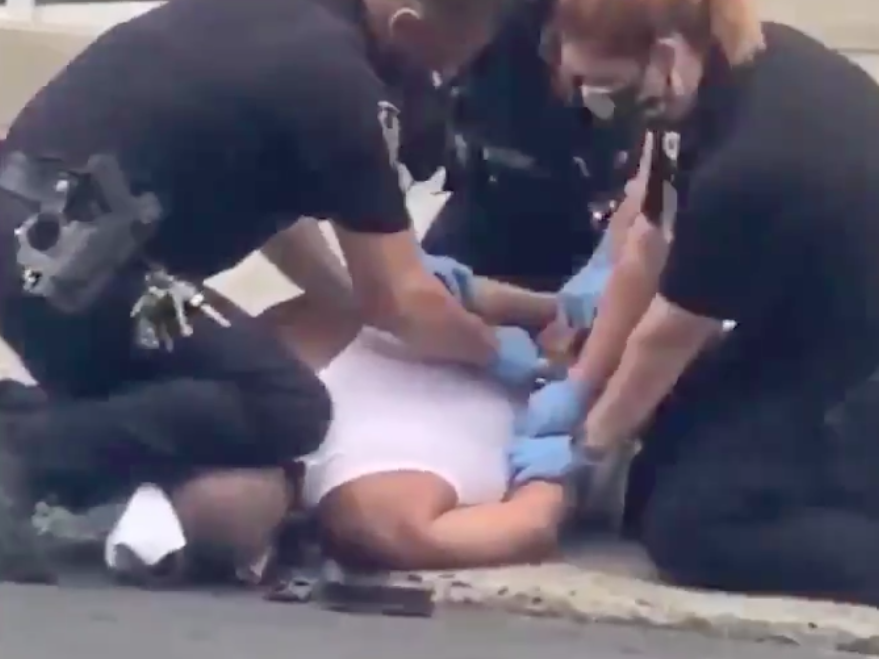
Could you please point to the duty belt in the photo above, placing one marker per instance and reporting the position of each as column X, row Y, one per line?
column 86, row 225
column 85, row 229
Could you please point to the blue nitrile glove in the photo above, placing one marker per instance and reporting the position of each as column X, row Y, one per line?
column 518, row 362
column 455, row 276
column 555, row 459
column 579, row 297
column 554, row 409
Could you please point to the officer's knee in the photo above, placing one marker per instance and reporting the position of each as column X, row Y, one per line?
column 314, row 426
column 293, row 420
column 679, row 541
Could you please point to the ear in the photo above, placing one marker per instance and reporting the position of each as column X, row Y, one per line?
column 407, row 28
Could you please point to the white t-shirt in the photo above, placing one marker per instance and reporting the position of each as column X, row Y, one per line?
column 394, row 412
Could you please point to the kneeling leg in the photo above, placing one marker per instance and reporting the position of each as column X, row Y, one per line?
column 741, row 511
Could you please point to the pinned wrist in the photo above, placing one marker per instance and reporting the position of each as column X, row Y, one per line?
column 580, row 385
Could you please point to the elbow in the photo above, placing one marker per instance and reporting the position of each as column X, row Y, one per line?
column 544, row 542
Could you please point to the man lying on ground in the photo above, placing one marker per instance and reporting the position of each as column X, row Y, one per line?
column 414, row 471
column 414, row 474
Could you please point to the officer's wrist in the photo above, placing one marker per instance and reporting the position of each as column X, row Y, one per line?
column 581, row 384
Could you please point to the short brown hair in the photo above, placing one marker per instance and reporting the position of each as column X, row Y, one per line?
column 630, row 28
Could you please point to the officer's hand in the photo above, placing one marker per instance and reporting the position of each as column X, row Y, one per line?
column 579, row 297
column 539, row 459
column 560, row 343
column 455, row 276
column 555, row 459
column 518, row 362
column 555, row 409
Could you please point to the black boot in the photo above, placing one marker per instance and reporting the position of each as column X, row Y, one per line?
column 23, row 553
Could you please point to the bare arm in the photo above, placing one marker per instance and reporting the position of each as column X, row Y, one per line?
column 632, row 285
column 499, row 303
column 396, row 293
column 664, row 343
column 636, row 190
column 302, row 254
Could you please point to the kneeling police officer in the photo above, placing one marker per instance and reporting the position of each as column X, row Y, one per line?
column 534, row 175
column 759, row 461
column 171, row 148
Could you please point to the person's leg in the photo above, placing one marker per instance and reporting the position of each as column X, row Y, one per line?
column 410, row 521
column 230, row 517
column 225, row 397
column 742, row 509
column 535, row 248
column 117, row 413
column 713, row 382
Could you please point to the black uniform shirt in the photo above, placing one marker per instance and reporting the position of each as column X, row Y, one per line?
column 512, row 127
column 241, row 116
column 777, row 224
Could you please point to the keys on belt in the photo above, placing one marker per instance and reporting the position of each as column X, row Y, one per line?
column 162, row 313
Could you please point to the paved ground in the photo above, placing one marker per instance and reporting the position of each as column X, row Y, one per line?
column 91, row 622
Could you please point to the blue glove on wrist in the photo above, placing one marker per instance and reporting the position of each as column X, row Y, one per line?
column 579, row 297
column 555, row 409
column 555, row 459
column 455, row 276
column 518, row 362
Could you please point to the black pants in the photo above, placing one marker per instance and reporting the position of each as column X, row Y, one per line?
column 744, row 486
column 520, row 239
column 115, row 415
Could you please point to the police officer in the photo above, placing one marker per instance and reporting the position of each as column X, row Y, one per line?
column 759, row 466
column 233, row 119
column 533, row 174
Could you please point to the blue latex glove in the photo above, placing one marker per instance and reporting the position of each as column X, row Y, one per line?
column 555, row 459
column 455, row 276
column 579, row 297
column 555, row 409
column 518, row 362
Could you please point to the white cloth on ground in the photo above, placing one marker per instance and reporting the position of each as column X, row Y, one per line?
column 394, row 412
column 148, row 528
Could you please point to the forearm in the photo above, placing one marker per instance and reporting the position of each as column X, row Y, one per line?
column 663, row 345
column 499, row 303
column 396, row 293
column 629, row 210
column 302, row 254
column 523, row 529
column 630, row 289
column 426, row 317
column 645, row 375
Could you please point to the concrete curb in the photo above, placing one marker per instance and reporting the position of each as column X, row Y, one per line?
column 604, row 581
column 587, row 596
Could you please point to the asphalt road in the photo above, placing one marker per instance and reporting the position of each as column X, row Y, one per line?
column 92, row 621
